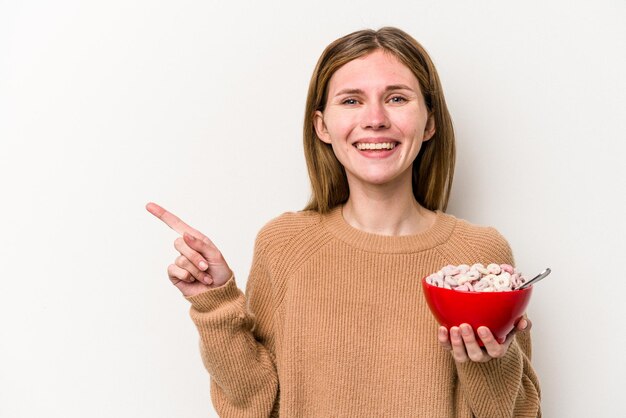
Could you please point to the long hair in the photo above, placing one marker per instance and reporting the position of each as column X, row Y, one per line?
column 433, row 168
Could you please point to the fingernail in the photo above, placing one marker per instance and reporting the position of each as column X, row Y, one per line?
column 207, row 279
column 203, row 265
column 482, row 332
column 191, row 237
column 524, row 324
column 465, row 331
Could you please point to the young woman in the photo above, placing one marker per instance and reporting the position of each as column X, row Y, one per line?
column 333, row 322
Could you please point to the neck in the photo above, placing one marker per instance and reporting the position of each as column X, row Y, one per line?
column 389, row 211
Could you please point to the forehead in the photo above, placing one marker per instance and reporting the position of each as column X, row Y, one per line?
column 375, row 70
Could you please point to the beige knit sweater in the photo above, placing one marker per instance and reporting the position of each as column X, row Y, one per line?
column 334, row 324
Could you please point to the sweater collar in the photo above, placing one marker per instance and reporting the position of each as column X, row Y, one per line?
column 437, row 234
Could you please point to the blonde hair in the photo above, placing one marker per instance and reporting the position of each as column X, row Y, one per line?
column 433, row 168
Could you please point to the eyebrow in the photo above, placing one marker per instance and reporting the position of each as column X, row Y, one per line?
column 388, row 88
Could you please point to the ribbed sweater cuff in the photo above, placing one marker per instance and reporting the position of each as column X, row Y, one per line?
column 213, row 298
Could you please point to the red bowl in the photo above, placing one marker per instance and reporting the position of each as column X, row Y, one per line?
column 498, row 311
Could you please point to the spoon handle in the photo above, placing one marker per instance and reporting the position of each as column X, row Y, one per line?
column 535, row 279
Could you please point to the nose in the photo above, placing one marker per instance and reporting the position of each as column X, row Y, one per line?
column 375, row 116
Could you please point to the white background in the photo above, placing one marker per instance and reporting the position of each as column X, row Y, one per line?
column 198, row 106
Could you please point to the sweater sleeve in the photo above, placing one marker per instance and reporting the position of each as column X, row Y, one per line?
column 508, row 386
column 234, row 331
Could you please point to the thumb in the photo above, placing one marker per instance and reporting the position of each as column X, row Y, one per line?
column 524, row 324
column 217, row 268
column 197, row 245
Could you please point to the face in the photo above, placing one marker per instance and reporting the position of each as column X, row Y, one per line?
column 375, row 119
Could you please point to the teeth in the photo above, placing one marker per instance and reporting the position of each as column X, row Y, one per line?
column 383, row 145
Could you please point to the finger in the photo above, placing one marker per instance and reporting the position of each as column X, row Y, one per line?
column 177, row 274
column 203, row 246
column 474, row 352
column 184, row 263
column 192, row 255
column 494, row 349
column 524, row 325
column 172, row 220
column 458, row 347
column 444, row 341
column 217, row 266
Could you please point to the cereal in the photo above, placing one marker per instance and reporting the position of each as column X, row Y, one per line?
column 463, row 268
column 480, row 268
column 502, row 282
column 436, row 279
column 477, row 278
column 450, row 270
column 505, row 267
column 494, row 268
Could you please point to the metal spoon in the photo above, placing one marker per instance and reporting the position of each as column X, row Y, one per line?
column 535, row 279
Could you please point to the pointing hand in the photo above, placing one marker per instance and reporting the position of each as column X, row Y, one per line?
column 200, row 266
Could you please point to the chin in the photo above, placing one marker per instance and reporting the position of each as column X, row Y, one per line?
column 380, row 178
column 378, row 181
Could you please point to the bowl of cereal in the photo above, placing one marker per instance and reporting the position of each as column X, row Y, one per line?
column 477, row 295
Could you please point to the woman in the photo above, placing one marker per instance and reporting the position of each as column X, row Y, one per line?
column 333, row 322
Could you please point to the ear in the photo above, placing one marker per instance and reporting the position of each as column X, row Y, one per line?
column 320, row 127
column 429, row 130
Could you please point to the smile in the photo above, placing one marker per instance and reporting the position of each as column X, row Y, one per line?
column 376, row 146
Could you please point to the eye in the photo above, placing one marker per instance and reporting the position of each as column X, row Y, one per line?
column 349, row 101
column 397, row 99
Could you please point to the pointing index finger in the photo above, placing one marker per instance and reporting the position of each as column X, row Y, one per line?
column 172, row 220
